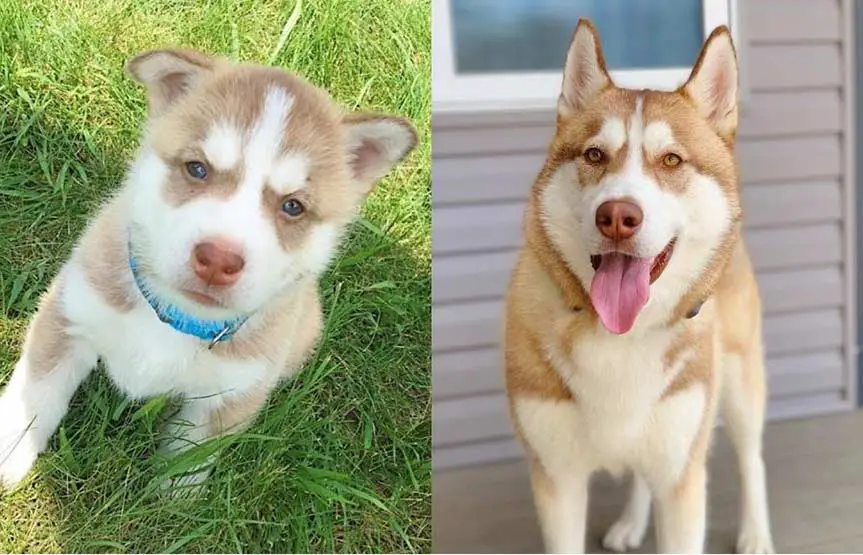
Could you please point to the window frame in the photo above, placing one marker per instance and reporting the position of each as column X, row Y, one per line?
column 539, row 90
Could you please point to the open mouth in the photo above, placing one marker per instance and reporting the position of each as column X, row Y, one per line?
column 658, row 266
column 621, row 286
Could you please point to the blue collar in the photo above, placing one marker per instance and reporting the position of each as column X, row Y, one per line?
column 213, row 331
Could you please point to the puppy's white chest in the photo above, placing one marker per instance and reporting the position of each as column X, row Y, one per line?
column 146, row 357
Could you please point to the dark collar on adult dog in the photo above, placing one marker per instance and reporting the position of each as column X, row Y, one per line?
column 695, row 310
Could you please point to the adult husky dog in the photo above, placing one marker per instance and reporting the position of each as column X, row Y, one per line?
column 633, row 311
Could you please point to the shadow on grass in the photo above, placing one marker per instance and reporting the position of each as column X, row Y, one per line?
column 340, row 460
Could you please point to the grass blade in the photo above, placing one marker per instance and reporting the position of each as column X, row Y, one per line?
column 286, row 31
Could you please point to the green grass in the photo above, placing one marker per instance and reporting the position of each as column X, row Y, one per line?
column 340, row 459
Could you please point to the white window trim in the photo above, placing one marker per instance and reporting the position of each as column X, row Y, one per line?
column 539, row 90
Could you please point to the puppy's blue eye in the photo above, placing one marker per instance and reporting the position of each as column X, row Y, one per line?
column 292, row 207
column 196, row 170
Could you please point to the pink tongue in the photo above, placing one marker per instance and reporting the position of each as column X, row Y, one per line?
column 619, row 290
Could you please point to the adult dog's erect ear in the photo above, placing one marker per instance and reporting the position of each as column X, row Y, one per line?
column 169, row 74
column 585, row 73
column 712, row 85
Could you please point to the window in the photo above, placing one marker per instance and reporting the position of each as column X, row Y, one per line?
column 499, row 54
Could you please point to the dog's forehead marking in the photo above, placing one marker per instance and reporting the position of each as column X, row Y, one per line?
column 266, row 137
column 635, row 138
column 290, row 173
column 223, row 146
column 612, row 134
column 263, row 147
column 636, row 125
column 657, row 136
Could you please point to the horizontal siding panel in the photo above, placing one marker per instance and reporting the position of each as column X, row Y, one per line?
column 782, row 248
column 806, row 289
column 793, row 20
column 509, row 178
column 791, row 159
column 775, row 204
column 802, row 406
column 486, row 417
column 472, row 419
column 767, row 114
column 447, row 458
column 464, row 278
column 803, row 331
column 466, row 325
column 462, row 373
column 770, row 114
column 473, row 325
column 806, row 373
column 791, row 66
column 476, row 228
column 487, row 178
column 533, row 137
column 504, row 118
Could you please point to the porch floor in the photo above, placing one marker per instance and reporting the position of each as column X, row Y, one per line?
column 815, row 483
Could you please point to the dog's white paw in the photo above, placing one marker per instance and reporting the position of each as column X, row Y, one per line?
column 751, row 541
column 625, row 534
column 19, row 444
column 187, row 485
column 17, row 455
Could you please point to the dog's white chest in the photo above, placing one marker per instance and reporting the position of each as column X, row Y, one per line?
column 617, row 384
column 146, row 357
column 618, row 418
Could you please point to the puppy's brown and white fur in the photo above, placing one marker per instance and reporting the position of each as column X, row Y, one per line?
column 633, row 225
column 244, row 182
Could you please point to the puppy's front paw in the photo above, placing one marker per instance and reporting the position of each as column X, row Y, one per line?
column 20, row 443
column 188, row 485
column 17, row 455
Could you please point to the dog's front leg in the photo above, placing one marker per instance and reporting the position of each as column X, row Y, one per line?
column 681, row 512
column 53, row 363
column 188, row 428
column 203, row 419
column 628, row 531
column 561, row 504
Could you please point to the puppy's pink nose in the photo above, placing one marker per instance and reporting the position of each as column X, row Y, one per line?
column 217, row 263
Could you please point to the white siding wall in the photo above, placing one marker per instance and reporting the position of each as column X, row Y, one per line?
column 793, row 154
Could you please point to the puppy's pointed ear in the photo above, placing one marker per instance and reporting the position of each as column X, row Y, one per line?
column 375, row 145
column 584, row 74
column 712, row 85
column 169, row 74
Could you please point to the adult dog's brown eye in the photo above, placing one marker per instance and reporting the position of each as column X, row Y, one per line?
column 594, row 155
column 671, row 160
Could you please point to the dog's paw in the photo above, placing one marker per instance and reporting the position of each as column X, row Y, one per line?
column 751, row 541
column 17, row 455
column 185, row 486
column 20, row 443
column 625, row 534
